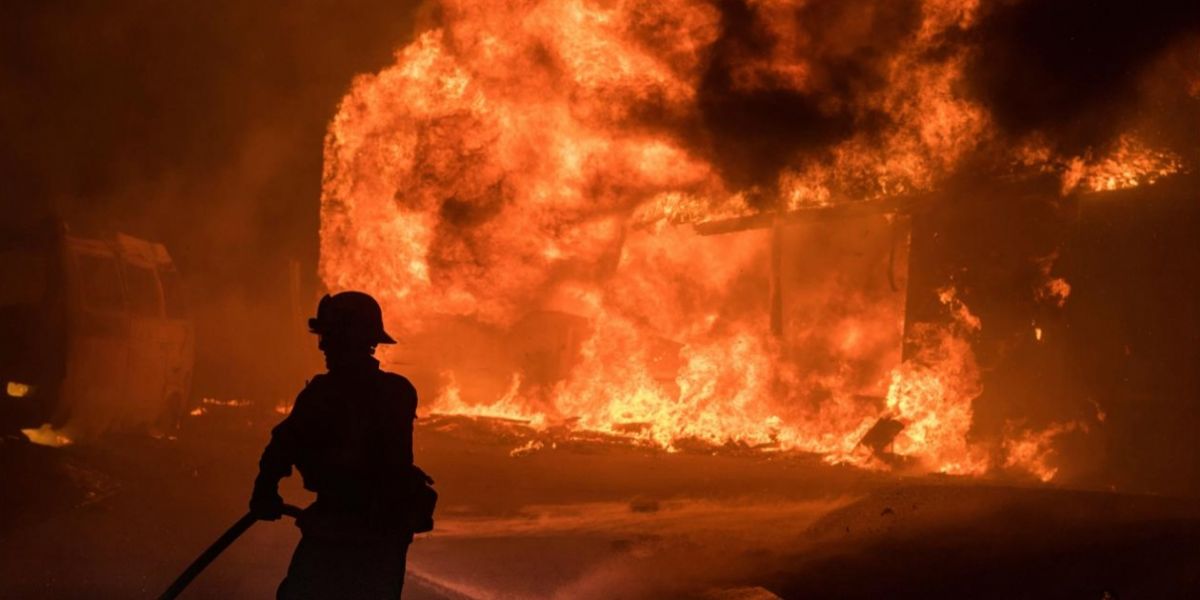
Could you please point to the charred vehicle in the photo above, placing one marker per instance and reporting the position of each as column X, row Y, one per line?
column 97, row 334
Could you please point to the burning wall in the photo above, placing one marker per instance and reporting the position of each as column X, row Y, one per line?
column 521, row 191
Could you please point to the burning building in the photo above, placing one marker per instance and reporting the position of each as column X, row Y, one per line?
column 784, row 226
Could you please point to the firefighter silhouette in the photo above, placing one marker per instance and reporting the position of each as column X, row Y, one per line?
column 350, row 436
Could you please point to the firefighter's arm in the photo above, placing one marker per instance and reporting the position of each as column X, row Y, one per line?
column 408, row 412
column 277, row 460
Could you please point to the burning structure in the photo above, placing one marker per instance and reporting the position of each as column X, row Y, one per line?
column 837, row 228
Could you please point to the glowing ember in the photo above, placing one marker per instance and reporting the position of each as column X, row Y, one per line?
column 230, row 403
column 1053, row 290
column 46, row 436
column 1056, row 288
column 18, row 390
column 528, row 447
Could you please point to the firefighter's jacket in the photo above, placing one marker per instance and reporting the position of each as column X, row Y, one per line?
column 350, row 436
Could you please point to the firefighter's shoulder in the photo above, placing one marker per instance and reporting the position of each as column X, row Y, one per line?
column 401, row 389
column 318, row 382
column 398, row 383
column 317, row 387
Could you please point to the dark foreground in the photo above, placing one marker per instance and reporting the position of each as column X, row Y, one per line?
column 589, row 519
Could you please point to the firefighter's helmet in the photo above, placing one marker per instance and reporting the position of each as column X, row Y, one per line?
column 350, row 315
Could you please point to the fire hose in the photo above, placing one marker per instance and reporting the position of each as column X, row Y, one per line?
column 215, row 550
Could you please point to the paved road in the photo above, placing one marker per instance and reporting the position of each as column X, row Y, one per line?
column 122, row 516
column 587, row 519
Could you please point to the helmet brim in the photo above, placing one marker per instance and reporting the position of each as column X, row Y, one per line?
column 382, row 337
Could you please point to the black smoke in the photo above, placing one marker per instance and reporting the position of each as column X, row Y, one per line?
column 755, row 131
column 1071, row 69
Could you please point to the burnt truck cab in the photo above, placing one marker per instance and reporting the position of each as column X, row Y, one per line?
column 96, row 333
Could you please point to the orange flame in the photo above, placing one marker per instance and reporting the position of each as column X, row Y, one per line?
column 1054, row 290
column 1131, row 163
column 505, row 167
column 1031, row 450
column 933, row 392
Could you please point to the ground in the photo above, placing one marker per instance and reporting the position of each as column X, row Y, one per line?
column 121, row 517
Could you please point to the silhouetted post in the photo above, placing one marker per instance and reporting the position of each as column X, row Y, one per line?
column 777, row 279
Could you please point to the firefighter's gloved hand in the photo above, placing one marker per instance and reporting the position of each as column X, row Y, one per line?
column 266, row 504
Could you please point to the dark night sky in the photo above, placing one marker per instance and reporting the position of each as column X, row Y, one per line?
column 178, row 118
